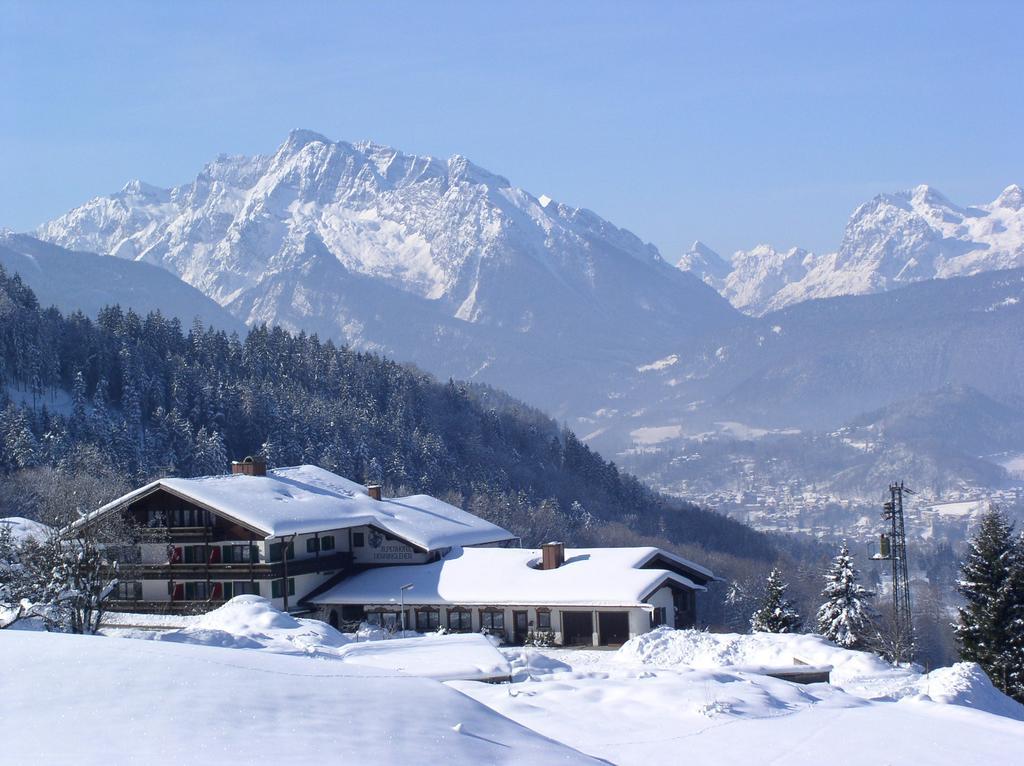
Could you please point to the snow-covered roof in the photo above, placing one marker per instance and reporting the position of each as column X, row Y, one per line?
column 305, row 499
column 24, row 529
column 509, row 576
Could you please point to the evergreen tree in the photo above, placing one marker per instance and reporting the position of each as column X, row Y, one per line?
column 845, row 617
column 210, row 456
column 141, row 392
column 990, row 630
column 776, row 613
column 79, row 418
column 100, row 425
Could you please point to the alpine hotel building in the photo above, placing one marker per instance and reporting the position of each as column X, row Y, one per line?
column 317, row 543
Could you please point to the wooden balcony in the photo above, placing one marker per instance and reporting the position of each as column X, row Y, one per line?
column 241, row 571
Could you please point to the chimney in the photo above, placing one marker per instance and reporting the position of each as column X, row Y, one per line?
column 373, row 490
column 251, row 466
column 553, row 555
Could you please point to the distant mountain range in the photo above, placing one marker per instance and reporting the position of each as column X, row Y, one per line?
column 449, row 266
column 438, row 262
column 820, row 363
column 891, row 241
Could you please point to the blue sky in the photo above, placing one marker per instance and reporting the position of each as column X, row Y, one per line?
column 734, row 123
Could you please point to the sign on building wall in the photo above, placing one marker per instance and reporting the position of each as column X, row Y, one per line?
column 381, row 550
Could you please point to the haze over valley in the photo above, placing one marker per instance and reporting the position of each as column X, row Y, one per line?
column 781, row 387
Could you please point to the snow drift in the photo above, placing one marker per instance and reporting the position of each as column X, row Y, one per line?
column 860, row 673
column 99, row 700
column 250, row 622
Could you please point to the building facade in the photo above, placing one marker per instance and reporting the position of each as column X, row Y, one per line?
column 555, row 595
column 281, row 534
column 312, row 541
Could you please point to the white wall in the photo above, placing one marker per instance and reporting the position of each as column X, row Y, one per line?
column 155, row 590
column 377, row 549
column 663, row 598
column 639, row 622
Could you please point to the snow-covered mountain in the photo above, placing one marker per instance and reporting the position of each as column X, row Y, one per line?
column 439, row 262
column 890, row 241
column 704, row 262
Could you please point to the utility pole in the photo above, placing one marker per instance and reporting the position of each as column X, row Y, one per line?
column 402, row 590
column 286, row 541
column 893, row 547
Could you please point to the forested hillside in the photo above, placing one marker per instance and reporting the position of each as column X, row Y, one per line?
column 151, row 399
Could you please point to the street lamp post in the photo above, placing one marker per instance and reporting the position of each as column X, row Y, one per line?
column 402, row 590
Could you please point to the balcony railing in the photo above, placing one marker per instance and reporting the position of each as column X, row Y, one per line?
column 273, row 570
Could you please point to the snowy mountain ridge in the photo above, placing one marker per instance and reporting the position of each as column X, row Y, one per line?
column 430, row 227
column 892, row 240
column 437, row 262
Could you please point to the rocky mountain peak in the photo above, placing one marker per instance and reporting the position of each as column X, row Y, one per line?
column 1011, row 198
column 405, row 254
column 892, row 239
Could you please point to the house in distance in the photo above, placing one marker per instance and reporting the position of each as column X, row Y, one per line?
column 315, row 542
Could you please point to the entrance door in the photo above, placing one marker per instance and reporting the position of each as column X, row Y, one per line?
column 520, row 627
column 577, row 628
column 614, row 628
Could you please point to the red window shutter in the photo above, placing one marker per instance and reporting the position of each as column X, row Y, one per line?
column 176, row 556
column 215, row 555
column 218, row 591
column 179, row 591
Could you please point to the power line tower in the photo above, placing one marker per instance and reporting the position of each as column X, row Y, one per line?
column 893, row 547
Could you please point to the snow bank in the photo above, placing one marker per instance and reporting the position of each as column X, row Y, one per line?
column 528, row 663
column 965, row 683
column 65, row 696
column 668, row 648
column 23, row 529
column 860, row 673
column 117, row 623
column 468, row 656
column 638, row 715
column 250, row 622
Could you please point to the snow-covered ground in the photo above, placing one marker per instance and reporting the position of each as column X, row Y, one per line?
column 100, row 700
column 675, row 694
column 247, row 677
column 22, row 529
column 250, row 622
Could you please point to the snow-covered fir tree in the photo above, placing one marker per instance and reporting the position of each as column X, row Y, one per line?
column 845, row 617
column 990, row 630
column 142, row 392
column 776, row 613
